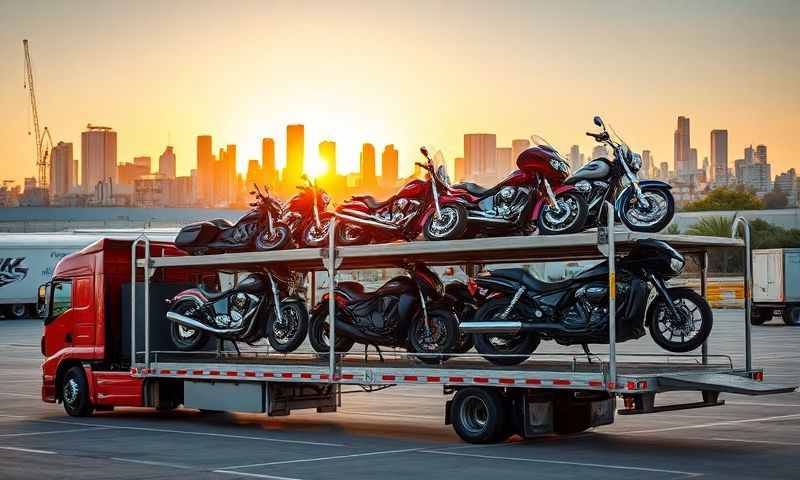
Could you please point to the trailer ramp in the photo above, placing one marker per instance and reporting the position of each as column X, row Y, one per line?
column 720, row 382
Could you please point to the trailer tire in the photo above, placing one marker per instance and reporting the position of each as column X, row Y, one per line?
column 760, row 315
column 791, row 315
column 17, row 311
column 479, row 415
column 75, row 393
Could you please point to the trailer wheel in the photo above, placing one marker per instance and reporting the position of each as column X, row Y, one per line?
column 17, row 311
column 479, row 415
column 760, row 315
column 791, row 315
column 75, row 393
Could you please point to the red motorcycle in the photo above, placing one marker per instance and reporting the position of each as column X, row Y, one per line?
column 534, row 196
column 363, row 219
column 305, row 215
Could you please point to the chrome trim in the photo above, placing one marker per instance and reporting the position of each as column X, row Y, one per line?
column 490, row 327
column 364, row 221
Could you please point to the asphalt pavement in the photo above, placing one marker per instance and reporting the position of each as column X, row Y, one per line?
column 400, row 433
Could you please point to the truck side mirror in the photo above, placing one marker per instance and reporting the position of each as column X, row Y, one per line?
column 41, row 299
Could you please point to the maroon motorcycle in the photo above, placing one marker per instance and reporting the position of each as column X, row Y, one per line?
column 534, row 196
column 364, row 219
column 306, row 217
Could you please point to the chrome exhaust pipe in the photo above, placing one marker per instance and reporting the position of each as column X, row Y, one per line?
column 490, row 327
column 475, row 218
column 363, row 221
column 196, row 325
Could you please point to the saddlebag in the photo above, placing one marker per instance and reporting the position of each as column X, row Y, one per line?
column 200, row 233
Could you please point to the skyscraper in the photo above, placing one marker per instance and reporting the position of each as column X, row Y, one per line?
column 518, row 146
column 503, row 161
column 480, row 155
column 719, row 157
column 390, row 165
column 99, row 154
column 61, row 174
column 761, row 154
column 367, row 162
column 575, row 158
column 295, row 155
column 599, row 151
column 749, row 155
column 166, row 163
column 460, row 167
column 327, row 153
column 144, row 163
column 648, row 163
column 691, row 165
column 205, row 170
column 268, row 161
column 682, row 148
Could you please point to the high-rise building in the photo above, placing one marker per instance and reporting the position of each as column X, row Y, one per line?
column 480, row 155
column 749, row 155
column 719, row 157
column 61, row 165
column 663, row 171
column 268, row 168
column 691, row 166
column 787, row 183
column 575, row 158
column 757, row 177
column 295, row 155
column 99, row 155
column 738, row 169
column 460, row 167
column 367, row 162
column 128, row 173
column 504, row 162
column 255, row 174
column 682, row 148
column 390, row 165
column 648, row 163
column 166, row 163
column 599, row 151
column 761, row 154
column 327, row 154
column 518, row 146
column 145, row 163
column 205, row 170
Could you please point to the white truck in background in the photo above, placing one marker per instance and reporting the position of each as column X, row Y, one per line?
column 776, row 285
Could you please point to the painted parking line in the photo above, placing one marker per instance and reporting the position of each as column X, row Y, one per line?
column 9, row 394
column 28, row 450
column 71, row 430
column 708, row 425
column 566, row 462
column 150, row 462
column 254, row 475
column 322, row 459
column 761, row 404
column 437, row 418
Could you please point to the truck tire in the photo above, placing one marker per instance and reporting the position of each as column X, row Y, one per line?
column 791, row 315
column 479, row 415
column 760, row 315
column 75, row 393
column 17, row 311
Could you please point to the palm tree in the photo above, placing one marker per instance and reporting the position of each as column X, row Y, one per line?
column 673, row 229
column 721, row 260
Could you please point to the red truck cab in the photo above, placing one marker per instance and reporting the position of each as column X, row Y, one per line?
column 85, row 366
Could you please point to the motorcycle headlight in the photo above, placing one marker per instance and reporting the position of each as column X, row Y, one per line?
column 635, row 162
column 559, row 166
column 325, row 198
column 676, row 264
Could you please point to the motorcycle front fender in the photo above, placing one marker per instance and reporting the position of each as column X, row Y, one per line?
column 537, row 208
column 654, row 184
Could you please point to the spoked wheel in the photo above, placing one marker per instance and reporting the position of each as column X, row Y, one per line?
column 184, row 338
column 568, row 216
column 279, row 239
column 316, row 236
column 495, row 346
column 351, row 234
column 653, row 215
column 451, row 224
column 685, row 331
column 318, row 329
column 287, row 333
column 436, row 336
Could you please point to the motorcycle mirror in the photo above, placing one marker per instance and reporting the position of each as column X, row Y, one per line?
column 598, row 121
column 424, row 151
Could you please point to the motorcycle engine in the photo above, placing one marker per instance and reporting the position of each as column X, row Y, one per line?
column 399, row 210
column 240, row 306
column 592, row 300
column 506, row 203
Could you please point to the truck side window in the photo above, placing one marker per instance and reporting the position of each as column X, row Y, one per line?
column 62, row 297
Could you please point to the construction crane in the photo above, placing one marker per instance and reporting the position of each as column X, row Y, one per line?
column 44, row 141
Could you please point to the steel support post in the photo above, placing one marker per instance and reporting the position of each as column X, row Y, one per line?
column 331, row 299
column 703, row 260
column 748, row 288
column 612, row 300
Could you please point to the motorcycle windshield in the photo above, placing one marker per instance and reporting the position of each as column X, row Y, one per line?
column 540, row 142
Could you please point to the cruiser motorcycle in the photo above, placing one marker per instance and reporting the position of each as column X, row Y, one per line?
column 642, row 205
column 409, row 312
column 258, row 230
column 306, row 217
column 533, row 196
column 522, row 310
column 259, row 306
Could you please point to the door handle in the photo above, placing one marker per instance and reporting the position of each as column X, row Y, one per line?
column 68, row 337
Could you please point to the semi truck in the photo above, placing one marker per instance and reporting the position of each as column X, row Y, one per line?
column 105, row 344
column 776, row 285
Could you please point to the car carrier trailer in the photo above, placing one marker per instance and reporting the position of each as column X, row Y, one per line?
column 564, row 394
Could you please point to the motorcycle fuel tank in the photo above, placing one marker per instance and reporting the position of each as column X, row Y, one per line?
column 412, row 189
column 594, row 170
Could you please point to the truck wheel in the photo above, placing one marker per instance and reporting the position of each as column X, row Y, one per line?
column 75, row 393
column 760, row 315
column 791, row 315
column 479, row 416
column 17, row 311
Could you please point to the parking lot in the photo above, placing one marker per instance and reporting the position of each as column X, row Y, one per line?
column 399, row 432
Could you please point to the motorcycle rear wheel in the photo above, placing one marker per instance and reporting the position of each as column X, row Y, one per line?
column 288, row 335
column 692, row 308
column 281, row 238
column 318, row 334
column 186, row 339
column 441, row 336
column 350, row 234
column 495, row 346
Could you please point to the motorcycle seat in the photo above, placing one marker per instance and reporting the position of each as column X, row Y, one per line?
column 371, row 202
column 211, row 295
column 475, row 189
column 221, row 222
column 353, row 291
column 531, row 283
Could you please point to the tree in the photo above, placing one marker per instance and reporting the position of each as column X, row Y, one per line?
column 712, row 227
column 776, row 199
column 725, row 198
column 673, row 229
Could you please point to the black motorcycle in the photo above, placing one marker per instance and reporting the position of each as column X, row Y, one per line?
column 410, row 312
column 259, row 306
column 259, row 230
column 465, row 300
column 523, row 310
column 642, row 205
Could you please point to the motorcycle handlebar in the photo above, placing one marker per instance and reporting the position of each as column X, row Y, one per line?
column 422, row 165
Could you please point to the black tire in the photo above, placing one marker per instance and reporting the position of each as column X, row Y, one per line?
column 658, row 311
column 288, row 335
column 318, row 333
column 75, row 393
column 479, row 415
column 629, row 201
column 311, row 236
column 466, row 342
column 572, row 221
column 186, row 339
column 17, row 311
column 280, row 239
column 452, row 224
column 791, row 315
column 348, row 234
column 441, row 337
column 490, row 345
column 760, row 315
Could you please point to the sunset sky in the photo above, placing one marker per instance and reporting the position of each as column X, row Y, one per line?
column 407, row 73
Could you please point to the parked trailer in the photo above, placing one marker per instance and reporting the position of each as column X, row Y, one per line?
column 97, row 370
column 776, row 285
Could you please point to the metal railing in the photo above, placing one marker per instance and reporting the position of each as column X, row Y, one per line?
column 748, row 287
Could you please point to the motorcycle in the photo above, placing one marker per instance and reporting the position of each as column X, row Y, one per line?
column 642, row 205
column 306, row 217
column 259, row 306
column 533, row 196
column 522, row 310
column 402, row 216
column 465, row 299
column 257, row 230
column 407, row 311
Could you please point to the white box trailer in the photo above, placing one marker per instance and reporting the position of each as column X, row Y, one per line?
column 776, row 285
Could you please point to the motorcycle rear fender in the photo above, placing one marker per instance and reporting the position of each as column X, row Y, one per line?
column 354, row 205
column 497, row 284
column 191, row 294
column 537, row 209
column 657, row 184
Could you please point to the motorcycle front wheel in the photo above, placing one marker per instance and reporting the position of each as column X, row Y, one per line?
column 313, row 236
column 659, row 212
column 569, row 217
column 186, row 339
column 318, row 329
column 287, row 333
column 685, row 331
column 451, row 224
column 503, row 348
column 280, row 238
column 436, row 336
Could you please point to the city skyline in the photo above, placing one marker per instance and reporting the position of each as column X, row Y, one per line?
column 434, row 86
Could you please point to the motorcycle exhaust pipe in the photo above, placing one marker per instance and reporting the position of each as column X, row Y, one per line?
column 490, row 327
column 476, row 218
column 196, row 325
column 357, row 334
column 363, row 221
